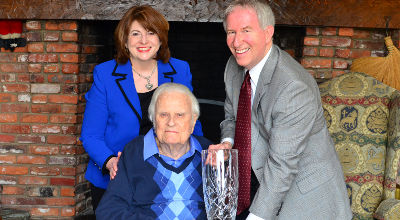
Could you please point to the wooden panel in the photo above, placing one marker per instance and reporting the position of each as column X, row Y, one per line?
column 344, row 13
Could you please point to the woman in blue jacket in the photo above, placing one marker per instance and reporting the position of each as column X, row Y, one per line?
column 117, row 102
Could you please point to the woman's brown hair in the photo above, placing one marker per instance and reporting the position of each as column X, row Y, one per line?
column 151, row 20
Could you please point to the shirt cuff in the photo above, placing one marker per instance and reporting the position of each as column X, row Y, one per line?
column 228, row 139
column 251, row 216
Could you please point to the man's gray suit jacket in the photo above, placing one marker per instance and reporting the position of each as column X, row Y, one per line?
column 293, row 155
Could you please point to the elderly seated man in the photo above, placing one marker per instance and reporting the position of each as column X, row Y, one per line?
column 159, row 174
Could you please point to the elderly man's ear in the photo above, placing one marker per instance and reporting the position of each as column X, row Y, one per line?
column 195, row 117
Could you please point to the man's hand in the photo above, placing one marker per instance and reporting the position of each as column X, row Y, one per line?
column 112, row 166
column 221, row 146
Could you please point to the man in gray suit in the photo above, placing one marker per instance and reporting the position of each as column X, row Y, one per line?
column 296, row 173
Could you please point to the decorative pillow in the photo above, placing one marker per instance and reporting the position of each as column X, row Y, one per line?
column 388, row 210
column 356, row 110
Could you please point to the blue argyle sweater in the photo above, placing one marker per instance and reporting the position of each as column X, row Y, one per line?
column 153, row 189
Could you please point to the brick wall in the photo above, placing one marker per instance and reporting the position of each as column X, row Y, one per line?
column 42, row 162
column 329, row 51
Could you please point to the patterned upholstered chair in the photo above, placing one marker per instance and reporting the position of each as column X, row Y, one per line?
column 363, row 117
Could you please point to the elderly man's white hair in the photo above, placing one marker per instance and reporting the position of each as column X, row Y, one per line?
column 173, row 87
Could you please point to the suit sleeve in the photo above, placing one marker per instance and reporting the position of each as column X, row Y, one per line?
column 293, row 115
column 95, row 121
column 229, row 122
column 117, row 201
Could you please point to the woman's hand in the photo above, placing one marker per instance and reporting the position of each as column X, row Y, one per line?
column 112, row 166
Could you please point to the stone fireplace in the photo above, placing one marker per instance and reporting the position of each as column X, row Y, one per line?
column 42, row 84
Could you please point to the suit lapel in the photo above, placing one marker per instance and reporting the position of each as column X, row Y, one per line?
column 124, row 80
column 261, row 90
column 166, row 72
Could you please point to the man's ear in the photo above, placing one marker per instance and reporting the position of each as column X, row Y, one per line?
column 194, row 120
column 269, row 30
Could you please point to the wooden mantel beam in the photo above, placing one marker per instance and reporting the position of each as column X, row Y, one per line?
column 341, row 13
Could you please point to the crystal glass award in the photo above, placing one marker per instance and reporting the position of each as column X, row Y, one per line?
column 220, row 183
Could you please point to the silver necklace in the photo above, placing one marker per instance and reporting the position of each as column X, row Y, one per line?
column 148, row 85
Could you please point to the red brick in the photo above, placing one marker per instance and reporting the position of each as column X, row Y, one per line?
column 15, row 107
column 8, row 118
column 12, row 190
column 43, row 58
column 62, row 181
column 7, row 138
column 46, row 108
column 13, row 170
column 340, row 64
column 4, row 97
column 9, row 159
column 69, row 109
column 68, row 25
column 7, row 77
column 62, row 47
column 45, row 88
column 24, row 97
column 46, row 129
column 33, row 36
column 69, row 129
column 8, row 58
column 33, row 25
column 68, row 171
column 69, row 36
column 62, row 160
column 69, row 89
column 45, row 211
column 14, row 68
column 52, row 68
column 34, row 68
column 361, row 34
column 36, row 78
column 35, row 47
column 342, row 53
column 336, row 42
column 39, row 98
column 44, row 150
column 329, row 31
column 31, row 159
column 32, row 180
column 354, row 54
column 310, row 51
column 45, row 171
column 68, row 211
column 12, row 149
column 34, row 118
column 51, row 36
column 63, row 118
column 58, row 139
column 67, row 191
column 30, row 139
column 346, row 32
column 16, row 129
column 60, row 201
column 312, row 31
column 69, row 58
column 311, row 41
column 326, row 52
column 70, row 68
column 30, row 201
column 68, row 99
column 369, row 44
column 316, row 63
column 51, row 25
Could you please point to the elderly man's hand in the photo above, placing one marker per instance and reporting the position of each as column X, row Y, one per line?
column 221, row 146
column 112, row 166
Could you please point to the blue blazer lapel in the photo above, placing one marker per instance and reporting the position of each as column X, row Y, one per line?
column 166, row 72
column 123, row 79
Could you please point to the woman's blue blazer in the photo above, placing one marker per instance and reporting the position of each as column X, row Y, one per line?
column 113, row 113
